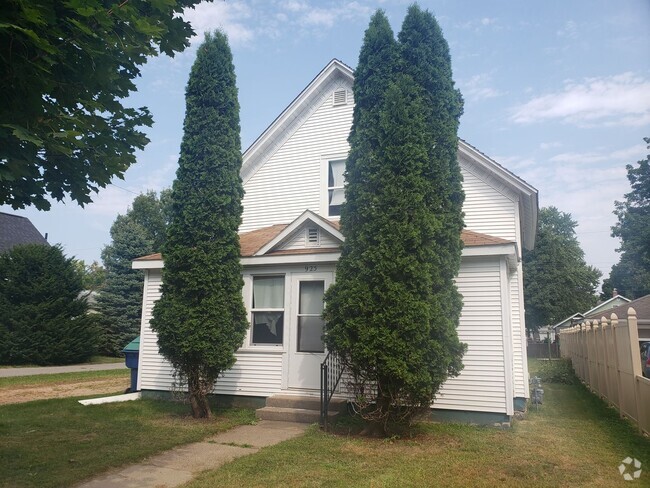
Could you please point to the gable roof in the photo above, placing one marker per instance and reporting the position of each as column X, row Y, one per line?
column 641, row 306
column 526, row 193
column 337, row 73
column 607, row 305
column 15, row 230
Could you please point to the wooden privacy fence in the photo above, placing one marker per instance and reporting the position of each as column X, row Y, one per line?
column 605, row 355
column 543, row 350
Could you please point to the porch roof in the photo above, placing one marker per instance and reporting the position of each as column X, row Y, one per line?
column 253, row 241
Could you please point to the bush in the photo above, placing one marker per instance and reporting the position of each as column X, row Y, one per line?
column 557, row 371
column 43, row 318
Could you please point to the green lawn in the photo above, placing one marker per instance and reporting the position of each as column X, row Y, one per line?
column 45, row 379
column 57, row 443
column 573, row 440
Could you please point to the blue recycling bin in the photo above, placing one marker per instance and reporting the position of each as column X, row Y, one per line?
column 132, row 359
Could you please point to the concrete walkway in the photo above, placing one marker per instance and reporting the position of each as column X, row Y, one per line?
column 182, row 464
column 75, row 368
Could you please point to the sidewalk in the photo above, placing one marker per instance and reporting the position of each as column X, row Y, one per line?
column 75, row 368
column 182, row 464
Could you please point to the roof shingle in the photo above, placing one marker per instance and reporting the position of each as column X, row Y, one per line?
column 253, row 241
column 16, row 230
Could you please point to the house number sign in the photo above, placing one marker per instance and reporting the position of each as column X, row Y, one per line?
column 311, row 268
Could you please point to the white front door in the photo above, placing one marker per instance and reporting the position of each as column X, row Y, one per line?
column 306, row 348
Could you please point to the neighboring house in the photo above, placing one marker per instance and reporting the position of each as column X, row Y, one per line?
column 642, row 308
column 16, row 230
column 290, row 240
column 603, row 308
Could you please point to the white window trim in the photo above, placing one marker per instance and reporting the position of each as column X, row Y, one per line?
column 248, row 286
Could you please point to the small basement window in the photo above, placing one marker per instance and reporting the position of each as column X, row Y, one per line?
column 268, row 310
column 340, row 97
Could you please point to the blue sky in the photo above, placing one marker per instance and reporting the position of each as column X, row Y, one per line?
column 556, row 91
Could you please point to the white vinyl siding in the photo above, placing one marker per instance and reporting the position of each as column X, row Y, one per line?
column 291, row 180
column 481, row 385
column 487, row 210
column 254, row 373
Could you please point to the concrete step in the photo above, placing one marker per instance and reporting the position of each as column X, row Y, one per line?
column 299, row 415
column 304, row 403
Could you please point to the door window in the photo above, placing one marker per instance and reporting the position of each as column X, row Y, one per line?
column 310, row 323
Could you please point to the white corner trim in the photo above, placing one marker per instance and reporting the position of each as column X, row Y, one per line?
column 506, row 328
column 143, row 325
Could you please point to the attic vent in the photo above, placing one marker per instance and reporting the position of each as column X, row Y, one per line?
column 313, row 237
column 340, row 97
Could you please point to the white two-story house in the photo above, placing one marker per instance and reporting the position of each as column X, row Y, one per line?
column 290, row 238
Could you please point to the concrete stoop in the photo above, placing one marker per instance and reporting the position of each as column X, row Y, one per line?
column 301, row 409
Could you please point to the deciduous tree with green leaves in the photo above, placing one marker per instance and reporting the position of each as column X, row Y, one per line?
column 44, row 318
column 139, row 232
column 384, row 314
column 65, row 69
column 631, row 275
column 557, row 280
column 200, row 318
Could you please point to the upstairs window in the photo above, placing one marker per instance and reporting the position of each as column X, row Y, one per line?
column 335, row 192
column 268, row 310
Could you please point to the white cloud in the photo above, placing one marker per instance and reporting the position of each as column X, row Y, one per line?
column 570, row 30
column 246, row 22
column 586, row 191
column 112, row 200
column 328, row 16
column 231, row 17
column 478, row 88
column 294, row 6
column 550, row 145
column 613, row 100
column 619, row 157
column 478, row 24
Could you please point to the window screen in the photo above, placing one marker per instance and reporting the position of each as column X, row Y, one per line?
column 268, row 309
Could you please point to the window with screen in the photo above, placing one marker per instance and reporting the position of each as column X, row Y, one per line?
column 268, row 310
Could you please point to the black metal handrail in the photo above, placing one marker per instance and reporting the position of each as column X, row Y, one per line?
column 331, row 371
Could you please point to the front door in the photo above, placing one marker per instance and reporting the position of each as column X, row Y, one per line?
column 306, row 348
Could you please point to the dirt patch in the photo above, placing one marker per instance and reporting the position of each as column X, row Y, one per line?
column 21, row 394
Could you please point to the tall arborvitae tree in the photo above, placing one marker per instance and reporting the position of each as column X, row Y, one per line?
column 383, row 316
column 139, row 232
column 200, row 319
column 425, row 56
